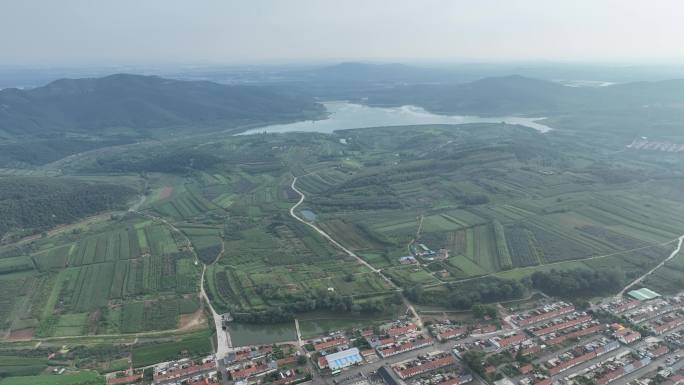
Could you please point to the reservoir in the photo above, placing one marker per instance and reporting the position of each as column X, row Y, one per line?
column 344, row 115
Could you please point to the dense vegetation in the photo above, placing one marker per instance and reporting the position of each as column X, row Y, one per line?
column 39, row 203
column 172, row 162
column 640, row 108
column 314, row 301
column 576, row 283
column 142, row 103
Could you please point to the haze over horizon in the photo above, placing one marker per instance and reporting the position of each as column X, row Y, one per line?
column 130, row 32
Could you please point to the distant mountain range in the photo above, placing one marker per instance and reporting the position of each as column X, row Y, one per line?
column 135, row 105
column 67, row 116
column 522, row 95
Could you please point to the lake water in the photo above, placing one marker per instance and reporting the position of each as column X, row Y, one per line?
column 344, row 115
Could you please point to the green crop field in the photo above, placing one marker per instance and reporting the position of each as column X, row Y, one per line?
column 496, row 208
column 80, row 378
column 206, row 241
column 76, row 285
column 193, row 345
column 21, row 366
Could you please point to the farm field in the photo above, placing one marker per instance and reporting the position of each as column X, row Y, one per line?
column 78, row 284
column 491, row 210
column 80, row 378
column 492, row 202
column 206, row 240
column 197, row 344
column 21, row 366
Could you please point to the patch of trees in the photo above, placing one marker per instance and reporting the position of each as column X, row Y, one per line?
column 319, row 300
column 474, row 360
column 208, row 254
column 40, row 203
column 175, row 162
column 482, row 311
column 578, row 282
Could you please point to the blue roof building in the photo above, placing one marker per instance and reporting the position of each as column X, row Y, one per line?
column 343, row 359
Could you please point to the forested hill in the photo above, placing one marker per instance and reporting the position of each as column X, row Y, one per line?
column 640, row 108
column 137, row 105
column 34, row 204
column 518, row 94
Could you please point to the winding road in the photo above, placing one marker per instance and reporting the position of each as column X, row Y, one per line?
column 350, row 253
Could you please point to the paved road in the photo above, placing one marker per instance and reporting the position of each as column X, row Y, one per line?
column 325, row 235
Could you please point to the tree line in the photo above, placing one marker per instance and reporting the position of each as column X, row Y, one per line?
column 304, row 303
column 571, row 284
column 578, row 282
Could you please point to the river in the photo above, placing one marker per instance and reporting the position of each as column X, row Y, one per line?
column 345, row 115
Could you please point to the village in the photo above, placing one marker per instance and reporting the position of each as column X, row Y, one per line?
column 632, row 340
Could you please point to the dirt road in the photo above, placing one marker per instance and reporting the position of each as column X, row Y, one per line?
column 350, row 253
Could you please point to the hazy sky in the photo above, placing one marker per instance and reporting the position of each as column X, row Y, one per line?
column 252, row 31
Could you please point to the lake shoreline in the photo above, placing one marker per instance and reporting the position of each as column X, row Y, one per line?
column 344, row 115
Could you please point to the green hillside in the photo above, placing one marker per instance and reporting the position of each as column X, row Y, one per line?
column 74, row 115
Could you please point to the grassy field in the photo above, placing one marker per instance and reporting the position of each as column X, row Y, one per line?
column 21, row 366
column 192, row 345
column 80, row 378
column 243, row 334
